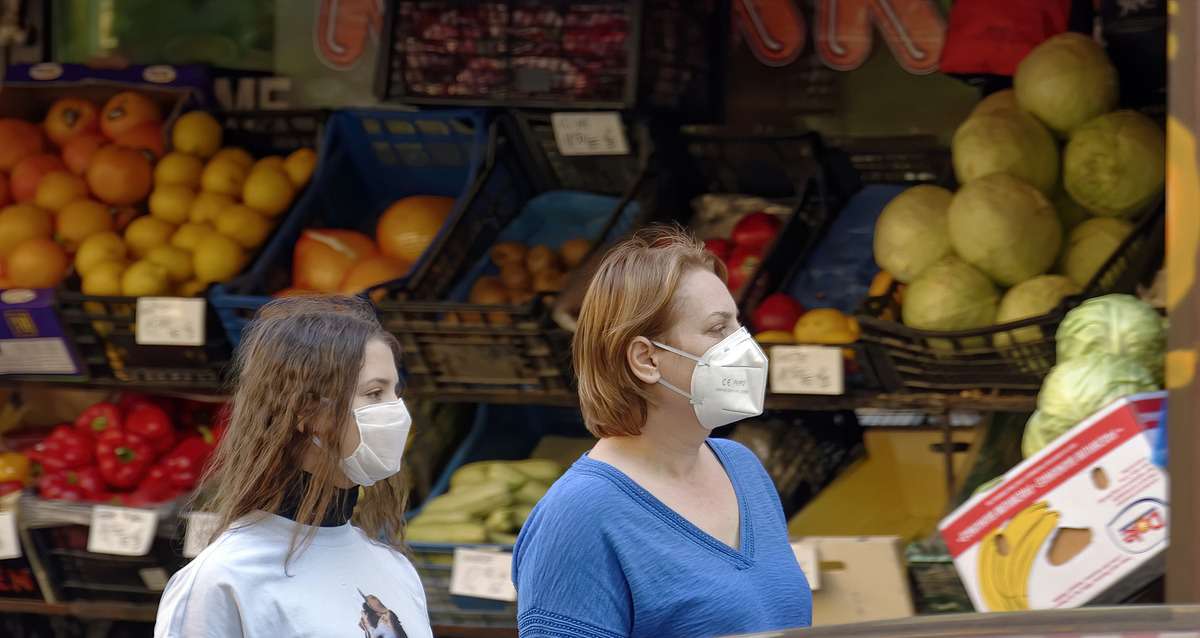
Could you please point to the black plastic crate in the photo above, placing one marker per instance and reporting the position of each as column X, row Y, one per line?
column 454, row 349
column 78, row 574
column 610, row 54
column 908, row 360
column 611, row 174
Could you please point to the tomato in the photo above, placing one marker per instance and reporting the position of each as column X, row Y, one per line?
column 756, row 231
column 776, row 312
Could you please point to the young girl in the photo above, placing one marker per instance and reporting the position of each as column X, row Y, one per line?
column 314, row 416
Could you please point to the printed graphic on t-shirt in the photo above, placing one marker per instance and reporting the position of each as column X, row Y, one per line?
column 377, row 621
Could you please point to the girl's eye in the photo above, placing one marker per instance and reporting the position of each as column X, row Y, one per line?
column 375, row 394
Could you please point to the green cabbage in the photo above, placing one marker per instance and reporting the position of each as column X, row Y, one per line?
column 1070, row 212
column 1004, row 227
column 1041, row 430
column 911, row 233
column 1117, row 325
column 950, row 295
column 1005, row 100
column 1031, row 298
column 1012, row 142
column 1115, row 165
column 1079, row 387
column 1066, row 81
column 1090, row 245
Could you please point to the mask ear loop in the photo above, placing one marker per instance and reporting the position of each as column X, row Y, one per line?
column 666, row 384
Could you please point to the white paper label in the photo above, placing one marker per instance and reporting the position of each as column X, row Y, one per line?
column 810, row 562
column 200, row 526
column 170, row 321
column 10, row 543
column 122, row 531
column 807, row 370
column 482, row 574
column 589, row 133
column 36, row 356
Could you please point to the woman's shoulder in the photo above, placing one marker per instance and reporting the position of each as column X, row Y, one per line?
column 587, row 489
column 739, row 454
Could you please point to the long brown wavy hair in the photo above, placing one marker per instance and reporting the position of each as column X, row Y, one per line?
column 298, row 363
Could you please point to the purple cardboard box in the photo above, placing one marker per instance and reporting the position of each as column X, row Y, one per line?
column 31, row 337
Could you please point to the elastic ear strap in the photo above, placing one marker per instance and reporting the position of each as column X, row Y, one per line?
column 678, row 352
column 676, row 390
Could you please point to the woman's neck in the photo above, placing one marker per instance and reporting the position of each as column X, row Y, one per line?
column 341, row 506
column 666, row 446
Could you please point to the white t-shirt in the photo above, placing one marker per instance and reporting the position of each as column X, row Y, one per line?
column 341, row 584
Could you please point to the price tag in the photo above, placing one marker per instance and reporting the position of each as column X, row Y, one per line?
column 122, row 531
column 10, row 543
column 170, row 321
column 806, row 555
column 482, row 574
column 200, row 528
column 807, row 370
column 589, row 133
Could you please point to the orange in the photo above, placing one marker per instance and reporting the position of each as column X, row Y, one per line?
column 270, row 161
column 58, row 189
column 146, row 137
column 21, row 139
column 190, row 234
column 97, row 249
column 171, row 203
column 300, row 165
column 119, row 176
column 145, row 279
column 217, row 258
column 125, row 111
column 268, row 191
column 224, row 176
column 207, row 206
column 408, row 226
column 196, row 133
column 78, row 153
column 146, row 232
column 29, row 173
column 104, row 279
column 69, row 118
column 81, row 219
column 243, row 225
column 21, row 222
column 177, row 261
column 372, row 271
column 323, row 256
column 178, row 169
column 238, row 155
column 37, row 263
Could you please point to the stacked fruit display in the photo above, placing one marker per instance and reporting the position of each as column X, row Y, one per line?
column 488, row 502
column 743, row 251
column 1025, row 220
column 333, row 260
column 524, row 271
column 74, row 189
column 135, row 451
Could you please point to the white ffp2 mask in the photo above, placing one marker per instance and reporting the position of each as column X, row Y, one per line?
column 729, row 382
column 382, row 433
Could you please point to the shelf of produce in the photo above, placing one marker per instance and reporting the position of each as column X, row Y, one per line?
column 184, row 390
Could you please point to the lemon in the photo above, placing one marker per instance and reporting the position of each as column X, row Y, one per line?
column 103, row 279
column 243, row 225
column 97, row 249
column 145, row 279
column 190, row 234
column 196, row 133
column 81, row 219
column 238, row 155
column 146, row 232
column 57, row 189
column 177, row 261
column 270, row 161
column 223, row 176
column 171, row 203
column 179, row 169
column 300, row 165
column 217, row 258
column 268, row 191
column 191, row 288
column 206, row 206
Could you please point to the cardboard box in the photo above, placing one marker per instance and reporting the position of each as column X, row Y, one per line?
column 855, row 579
column 1083, row 521
column 31, row 337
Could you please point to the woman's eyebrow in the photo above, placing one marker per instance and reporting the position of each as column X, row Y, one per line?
column 721, row 314
column 379, row 380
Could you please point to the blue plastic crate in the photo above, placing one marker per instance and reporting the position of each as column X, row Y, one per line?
column 369, row 159
column 500, row 432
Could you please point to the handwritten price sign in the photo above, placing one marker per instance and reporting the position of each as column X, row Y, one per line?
column 170, row 321
column 589, row 134
column 121, row 531
column 482, row 574
column 807, row 370
column 10, row 545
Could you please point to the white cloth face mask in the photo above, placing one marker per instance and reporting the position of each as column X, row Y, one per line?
column 382, row 434
column 729, row 382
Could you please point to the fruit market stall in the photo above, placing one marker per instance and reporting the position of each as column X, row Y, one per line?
column 958, row 273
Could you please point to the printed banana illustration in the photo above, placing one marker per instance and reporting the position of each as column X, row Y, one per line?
column 1006, row 557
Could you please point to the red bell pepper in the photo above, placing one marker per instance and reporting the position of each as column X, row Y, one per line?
column 124, row 458
column 65, row 449
column 154, row 489
column 83, row 484
column 152, row 424
column 185, row 464
column 98, row 418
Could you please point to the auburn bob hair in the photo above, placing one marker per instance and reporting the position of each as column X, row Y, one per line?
column 296, row 370
column 631, row 295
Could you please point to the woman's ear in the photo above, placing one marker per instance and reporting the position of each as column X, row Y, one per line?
column 642, row 357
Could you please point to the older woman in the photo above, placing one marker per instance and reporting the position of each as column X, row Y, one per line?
column 660, row 530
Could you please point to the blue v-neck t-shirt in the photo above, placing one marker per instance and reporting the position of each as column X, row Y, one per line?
column 601, row 557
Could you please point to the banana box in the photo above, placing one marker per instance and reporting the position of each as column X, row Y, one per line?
column 1083, row 521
